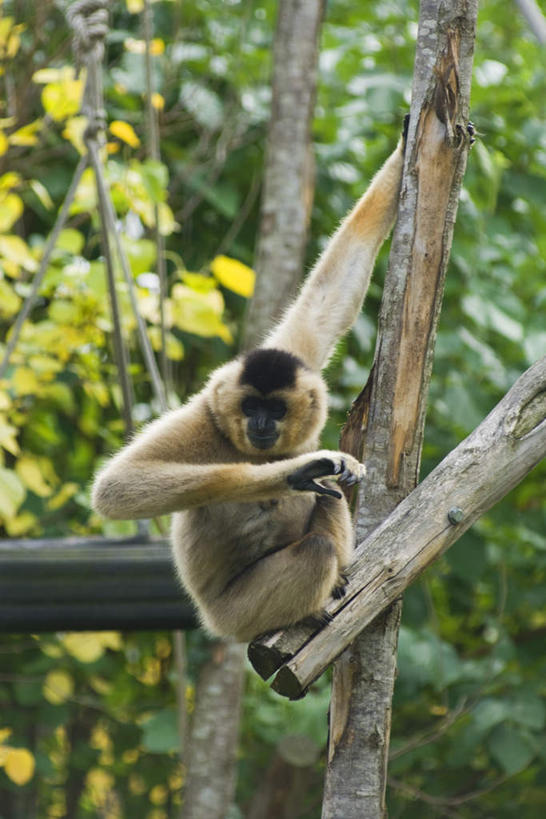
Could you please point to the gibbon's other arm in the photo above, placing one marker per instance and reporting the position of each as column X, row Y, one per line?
column 168, row 468
column 332, row 294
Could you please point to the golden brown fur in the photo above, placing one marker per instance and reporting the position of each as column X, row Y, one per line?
column 257, row 542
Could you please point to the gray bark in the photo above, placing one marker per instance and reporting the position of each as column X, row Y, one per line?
column 288, row 182
column 435, row 162
column 211, row 761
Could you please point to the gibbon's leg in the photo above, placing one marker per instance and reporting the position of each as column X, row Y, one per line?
column 279, row 589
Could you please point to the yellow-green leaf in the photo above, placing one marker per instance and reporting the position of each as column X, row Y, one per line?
column 31, row 476
column 27, row 135
column 8, row 437
column 135, row 6
column 67, row 491
column 9, row 180
column 125, row 132
column 12, row 493
column 5, row 733
column 11, row 208
column 74, row 130
column 175, row 348
column 199, row 313
column 10, row 302
column 47, row 75
column 62, row 99
column 42, row 193
column 20, row 524
column 25, row 382
column 4, row 144
column 19, row 765
column 58, row 687
column 89, row 646
column 15, row 250
column 71, row 240
column 234, row 275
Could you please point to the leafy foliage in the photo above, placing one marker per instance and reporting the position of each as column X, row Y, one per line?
column 89, row 719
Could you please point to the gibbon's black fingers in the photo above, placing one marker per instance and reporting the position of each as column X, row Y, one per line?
column 302, row 480
column 339, row 589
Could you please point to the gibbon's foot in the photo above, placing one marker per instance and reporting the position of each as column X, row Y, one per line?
column 339, row 589
column 318, row 620
column 405, row 129
column 471, row 131
column 347, row 469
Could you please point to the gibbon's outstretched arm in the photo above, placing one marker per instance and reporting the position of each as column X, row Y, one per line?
column 173, row 465
column 332, row 294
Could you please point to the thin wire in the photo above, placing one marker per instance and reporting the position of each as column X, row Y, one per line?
column 44, row 263
column 154, row 153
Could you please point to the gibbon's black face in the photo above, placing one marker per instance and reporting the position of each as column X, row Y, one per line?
column 263, row 414
column 266, row 371
column 268, row 402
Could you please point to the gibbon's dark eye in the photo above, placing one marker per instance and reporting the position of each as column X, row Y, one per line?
column 276, row 408
column 251, row 405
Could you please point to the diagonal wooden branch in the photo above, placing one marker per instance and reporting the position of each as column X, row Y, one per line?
column 472, row 478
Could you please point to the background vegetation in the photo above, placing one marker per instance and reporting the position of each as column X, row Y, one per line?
column 87, row 719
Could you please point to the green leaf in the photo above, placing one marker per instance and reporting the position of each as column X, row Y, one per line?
column 510, row 748
column 160, row 732
column 12, row 493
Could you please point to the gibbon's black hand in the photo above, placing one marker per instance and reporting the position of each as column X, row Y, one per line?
column 339, row 590
column 303, row 478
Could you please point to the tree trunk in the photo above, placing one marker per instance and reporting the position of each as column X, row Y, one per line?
column 211, row 761
column 288, row 183
column 280, row 248
column 435, row 161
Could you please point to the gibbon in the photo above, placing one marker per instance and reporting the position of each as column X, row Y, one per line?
column 258, row 540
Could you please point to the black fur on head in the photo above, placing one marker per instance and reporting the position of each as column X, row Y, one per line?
column 269, row 369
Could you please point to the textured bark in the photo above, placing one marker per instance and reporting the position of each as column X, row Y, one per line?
column 213, row 740
column 288, row 182
column 435, row 162
column 473, row 477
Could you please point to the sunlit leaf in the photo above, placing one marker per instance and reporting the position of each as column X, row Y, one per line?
column 62, row 99
column 21, row 524
column 8, row 437
column 67, row 491
column 24, row 381
column 12, row 493
column 31, row 476
column 125, row 132
column 11, row 208
column 199, row 313
column 15, row 250
column 4, row 144
column 58, row 687
column 158, row 101
column 20, row 765
column 87, row 647
column 135, row 6
column 175, row 348
column 70, row 240
column 234, row 275
column 157, row 46
column 27, row 135
column 10, row 302
column 74, row 131
column 42, row 193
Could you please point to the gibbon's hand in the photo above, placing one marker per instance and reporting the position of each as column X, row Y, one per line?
column 325, row 464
